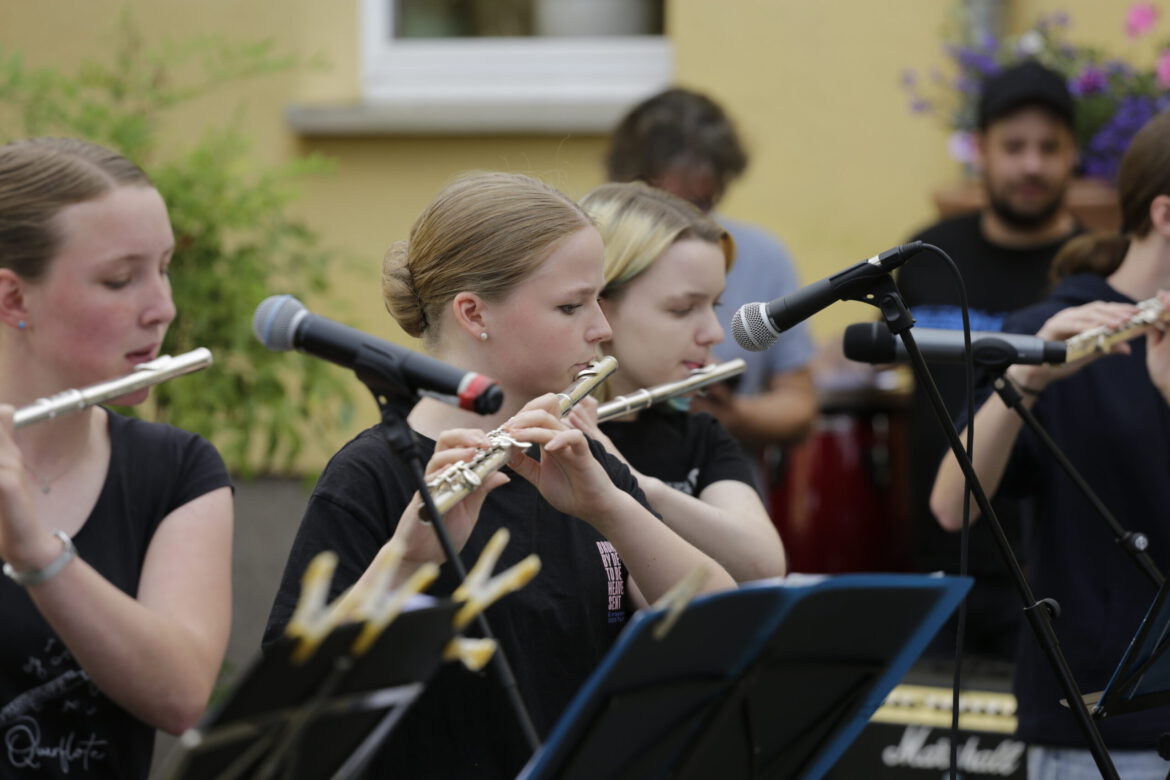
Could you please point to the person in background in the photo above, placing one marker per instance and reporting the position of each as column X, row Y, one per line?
column 1111, row 418
column 501, row 276
column 665, row 263
column 683, row 142
column 115, row 533
column 1026, row 154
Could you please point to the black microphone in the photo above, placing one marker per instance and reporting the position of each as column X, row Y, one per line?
column 872, row 342
column 756, row 326
column 282, row 323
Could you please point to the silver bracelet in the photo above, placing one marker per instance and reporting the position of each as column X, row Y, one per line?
column 37, row 576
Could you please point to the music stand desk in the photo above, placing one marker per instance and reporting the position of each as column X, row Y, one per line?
column 772, row 680
column 1142, row 677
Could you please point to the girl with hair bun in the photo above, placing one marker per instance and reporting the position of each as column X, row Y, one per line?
column 665, row 269
column 1111, row 417
column 501, row 275
column 115, row 533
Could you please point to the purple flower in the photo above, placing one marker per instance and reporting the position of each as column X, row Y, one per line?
column 1114, row 98
column 1091, row 81
column 974, row 60
column 1118, row 68
column 1102, row 155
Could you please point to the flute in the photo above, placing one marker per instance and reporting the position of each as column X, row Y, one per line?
column 647, row 397
column 160, row 369
column 1100, row 340
column 455, row 482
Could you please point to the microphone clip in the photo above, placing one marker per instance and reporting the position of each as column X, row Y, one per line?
column 880, row 290
column 382, row 373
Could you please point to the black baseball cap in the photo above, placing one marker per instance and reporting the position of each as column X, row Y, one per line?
column 1027, row 84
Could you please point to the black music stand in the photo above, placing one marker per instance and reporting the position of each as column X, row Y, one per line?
column 772, row 680
column 321, row 718
column 1142, row 678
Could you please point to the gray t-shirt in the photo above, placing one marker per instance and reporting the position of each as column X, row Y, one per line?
column 763, row 271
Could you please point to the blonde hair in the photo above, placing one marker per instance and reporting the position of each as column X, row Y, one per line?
column 483, row 233
column 638, row 223
column 41, row 176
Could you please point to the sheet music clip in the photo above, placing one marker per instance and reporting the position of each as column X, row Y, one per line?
column 678, row 598
column 1142, row 677
column 780, row 695
column 320, row 701
column 480, row 590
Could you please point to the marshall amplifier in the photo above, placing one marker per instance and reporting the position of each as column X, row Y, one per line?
column 909, row 737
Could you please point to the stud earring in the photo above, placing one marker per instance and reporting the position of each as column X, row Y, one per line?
column 483, row 336
column 22, row 325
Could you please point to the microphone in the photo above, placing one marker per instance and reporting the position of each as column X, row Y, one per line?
column 756, row 326
column 872, row 342
column 282, row 323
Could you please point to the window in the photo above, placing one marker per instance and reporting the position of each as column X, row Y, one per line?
column 506, row 65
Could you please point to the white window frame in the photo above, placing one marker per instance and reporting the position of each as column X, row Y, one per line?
column 505, row 84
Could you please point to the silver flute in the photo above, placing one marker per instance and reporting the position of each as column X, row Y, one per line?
column 647, row 397
column 455, row 482
column 160, row 369
column 1100, row 340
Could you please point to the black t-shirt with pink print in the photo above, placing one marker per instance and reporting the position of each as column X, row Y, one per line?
column 555, row 630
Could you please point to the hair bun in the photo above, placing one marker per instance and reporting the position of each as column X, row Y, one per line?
column 399, row 293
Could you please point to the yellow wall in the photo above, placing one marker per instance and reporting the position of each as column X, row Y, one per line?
column 841, row 169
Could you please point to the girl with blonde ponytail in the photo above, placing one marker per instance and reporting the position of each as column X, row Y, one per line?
column 501, row 275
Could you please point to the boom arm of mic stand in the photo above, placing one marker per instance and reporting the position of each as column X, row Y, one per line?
column 1038, row 612
column 1133, row 543
column 394, row 404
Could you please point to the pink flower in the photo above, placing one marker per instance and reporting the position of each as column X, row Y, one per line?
column 1162, row 70
column 1140, row 19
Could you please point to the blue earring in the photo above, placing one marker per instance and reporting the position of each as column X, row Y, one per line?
column 22, row 325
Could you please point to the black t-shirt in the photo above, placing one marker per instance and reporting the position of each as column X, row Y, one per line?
column 555, row 630
column 998, row 280
column 1114, row 426
column 686, row 451
column 54, row 721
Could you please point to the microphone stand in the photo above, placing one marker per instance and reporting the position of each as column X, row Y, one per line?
column 1135, row 544
column 882, row 292
column 390, row 388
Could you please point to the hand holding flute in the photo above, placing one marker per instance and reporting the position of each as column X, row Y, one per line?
column 1096, row 329
column 466, row 463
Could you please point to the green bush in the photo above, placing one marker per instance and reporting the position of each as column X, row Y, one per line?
column 236, row 241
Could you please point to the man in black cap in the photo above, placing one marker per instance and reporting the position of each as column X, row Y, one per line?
column 1026, row 154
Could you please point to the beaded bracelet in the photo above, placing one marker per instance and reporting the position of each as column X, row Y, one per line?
column 50, row 570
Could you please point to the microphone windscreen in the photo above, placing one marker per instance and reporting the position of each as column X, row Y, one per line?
column 750, row 328
column 274, row 322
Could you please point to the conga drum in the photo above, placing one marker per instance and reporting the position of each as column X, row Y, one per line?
column 840, row 499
